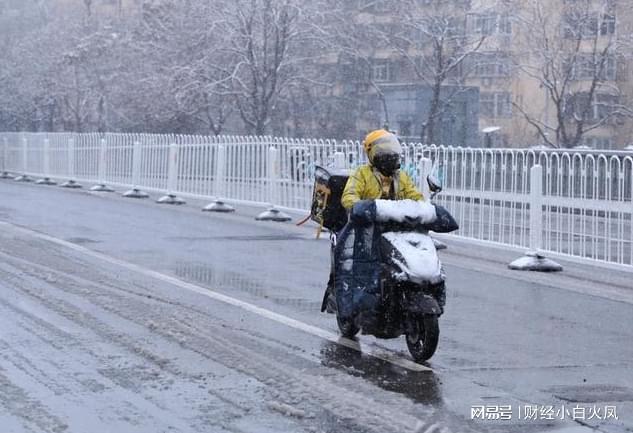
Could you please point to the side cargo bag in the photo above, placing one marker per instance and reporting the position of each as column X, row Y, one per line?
column 326, row 208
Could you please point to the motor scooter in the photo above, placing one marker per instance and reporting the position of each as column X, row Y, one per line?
column 411, row 289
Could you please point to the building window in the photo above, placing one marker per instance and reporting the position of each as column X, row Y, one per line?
column 580, row 26
column 381, row 71
column 491, row 65
column 600, row 108
column 495, row 104
column 588, row 66
column 603, row 106
column 598, row 142
column 586, row 26
column 492, row 23
column 505, row 25
column 610, row 68
column 485, row 24
column 607, row 26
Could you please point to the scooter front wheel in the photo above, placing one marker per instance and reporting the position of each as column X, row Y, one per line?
column 423, row 337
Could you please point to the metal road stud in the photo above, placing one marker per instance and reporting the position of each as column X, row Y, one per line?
column 46, row 181
column 170, row 199
column 101, row 188
column 218, row 206
column 535, row 261
column 71, row 184
column 273, row 214
column 135, row 193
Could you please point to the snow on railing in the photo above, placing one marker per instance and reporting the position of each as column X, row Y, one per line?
column 584, row 208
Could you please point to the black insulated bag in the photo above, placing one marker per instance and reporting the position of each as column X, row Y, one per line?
column 326, row 209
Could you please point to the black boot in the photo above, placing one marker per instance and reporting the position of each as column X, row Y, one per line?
column 440, row 295
column 329, row 300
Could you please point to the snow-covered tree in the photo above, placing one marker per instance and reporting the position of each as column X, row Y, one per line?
column 575, row 58
column 180, row 43
column 269, row 43
column 437, row 40
column 361, row 45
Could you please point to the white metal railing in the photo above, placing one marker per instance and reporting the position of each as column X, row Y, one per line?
column 576, row 203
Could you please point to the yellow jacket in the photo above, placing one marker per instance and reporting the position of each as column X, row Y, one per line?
column 366, row 183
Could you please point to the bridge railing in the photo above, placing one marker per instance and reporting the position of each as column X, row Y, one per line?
column 584, row 207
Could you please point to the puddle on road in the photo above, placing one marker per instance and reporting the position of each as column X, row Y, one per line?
column 219, row 279
column 420, row 386
column 214, row 278
column 592, row 393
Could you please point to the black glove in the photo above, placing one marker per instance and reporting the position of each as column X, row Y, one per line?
column 363, row 212
column 444, row 223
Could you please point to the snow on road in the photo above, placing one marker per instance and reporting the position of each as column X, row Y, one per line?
column 100, row 348
column 122, row 315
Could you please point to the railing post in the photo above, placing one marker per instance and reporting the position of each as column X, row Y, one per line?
column 172, row 178
column 534, row 259
column 272, row 173
column 136, row 192
column 101, row 169
column 46, row 164
column 424, row 167
column 220, row 165
column 5, row 158
column 219, row 184
column 273, row 183
column 71, row 183
column 339, row 161
column 25, row 162
column 536, row 208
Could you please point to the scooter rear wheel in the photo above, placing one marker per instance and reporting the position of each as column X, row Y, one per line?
column 422, row 342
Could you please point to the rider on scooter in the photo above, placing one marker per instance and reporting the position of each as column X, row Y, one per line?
column 382, row 177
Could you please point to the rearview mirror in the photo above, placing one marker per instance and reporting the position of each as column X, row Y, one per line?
column 435, row 185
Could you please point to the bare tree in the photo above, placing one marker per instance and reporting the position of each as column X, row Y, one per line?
column 87, row 73
column 22, row 67
column 437, row 41
column 360, row 47
column 181, row 43
column 269, row 42
column 88, row 4
column 574, row 57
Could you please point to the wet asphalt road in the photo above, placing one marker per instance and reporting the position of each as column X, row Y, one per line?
column 118, row 334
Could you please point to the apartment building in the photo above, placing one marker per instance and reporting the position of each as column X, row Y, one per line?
column 101, row 7
column 544, row 72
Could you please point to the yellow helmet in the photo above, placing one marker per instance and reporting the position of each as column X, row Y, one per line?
column 381, row 141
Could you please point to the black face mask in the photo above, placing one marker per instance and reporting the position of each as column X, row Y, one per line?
column 387, row 164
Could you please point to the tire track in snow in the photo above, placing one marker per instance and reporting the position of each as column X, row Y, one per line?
column 113, row 375
column 19, row 403
column 268, row 314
